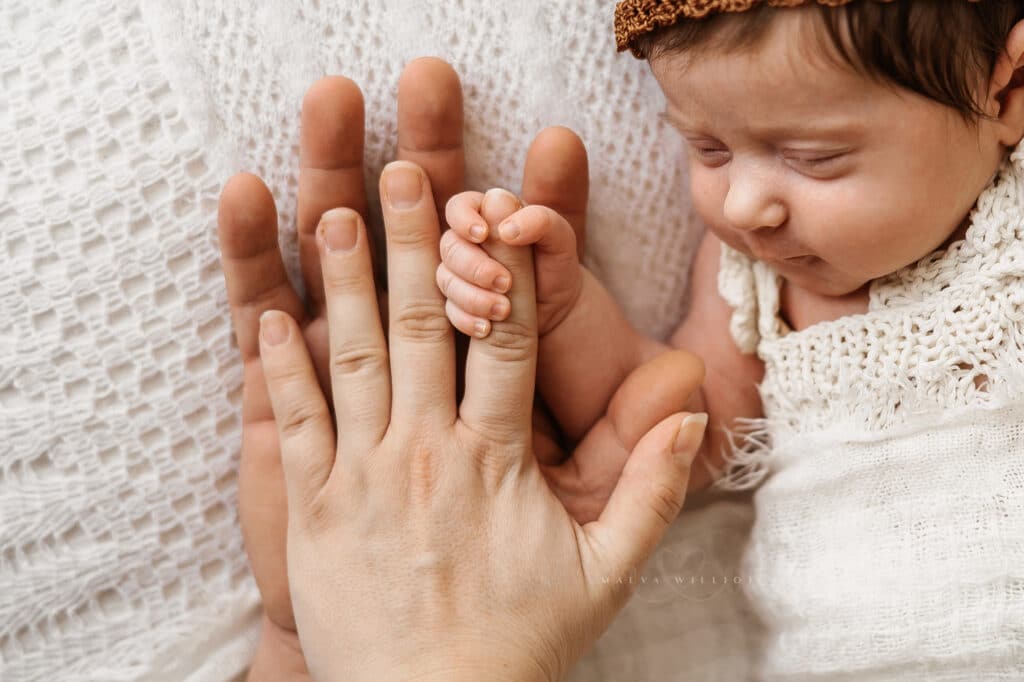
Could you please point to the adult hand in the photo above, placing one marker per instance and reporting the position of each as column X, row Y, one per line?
column 331, row 175
column 423, row 540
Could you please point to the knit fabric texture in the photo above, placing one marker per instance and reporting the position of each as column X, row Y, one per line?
column 889, row 534
column 120, row 384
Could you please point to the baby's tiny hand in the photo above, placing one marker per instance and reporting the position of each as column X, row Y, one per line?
column 474, row 283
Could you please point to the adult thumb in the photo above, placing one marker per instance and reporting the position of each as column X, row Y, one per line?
column 650, row 491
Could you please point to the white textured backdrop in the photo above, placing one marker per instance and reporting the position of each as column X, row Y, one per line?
column 120, row 554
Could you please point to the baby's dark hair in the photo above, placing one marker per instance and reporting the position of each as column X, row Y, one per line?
column 942, row 49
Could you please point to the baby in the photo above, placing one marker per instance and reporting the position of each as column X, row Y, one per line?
column 856, row 301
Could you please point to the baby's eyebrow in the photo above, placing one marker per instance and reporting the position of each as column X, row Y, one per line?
column 840, row 129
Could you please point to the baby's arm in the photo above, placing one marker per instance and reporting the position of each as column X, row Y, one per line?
column 588, row 349
column 731, row 377
column 729, row 390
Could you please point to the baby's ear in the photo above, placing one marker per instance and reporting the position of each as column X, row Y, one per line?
column 1006, row 88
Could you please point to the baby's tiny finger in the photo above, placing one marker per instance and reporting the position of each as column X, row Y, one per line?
column 541, row 226
column 472, row 299
column 471, row 263
column 462, row 212
column 466, row 323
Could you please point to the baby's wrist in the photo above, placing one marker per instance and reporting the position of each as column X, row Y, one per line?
column 555, row 317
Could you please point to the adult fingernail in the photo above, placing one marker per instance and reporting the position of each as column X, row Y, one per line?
column 273, row 328
column 691, row 432
column 509, row 231
column 504, row 202
column 403, row 185
column 339, row 229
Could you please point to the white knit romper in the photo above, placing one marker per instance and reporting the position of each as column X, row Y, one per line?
column 889, row 534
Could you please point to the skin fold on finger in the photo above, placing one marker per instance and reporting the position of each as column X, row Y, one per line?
column 471, row 264
column 556, row 175
column 421, row 340
column 430, row 120
column 330, row 167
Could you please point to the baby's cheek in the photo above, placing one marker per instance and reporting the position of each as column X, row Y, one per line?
column 708, row 192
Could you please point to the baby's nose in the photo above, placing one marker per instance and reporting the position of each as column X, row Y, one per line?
column 750, row 204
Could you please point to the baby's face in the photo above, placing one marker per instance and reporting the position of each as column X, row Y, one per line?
column 830, row 178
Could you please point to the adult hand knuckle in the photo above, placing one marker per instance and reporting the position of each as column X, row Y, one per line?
column 343, row 279
column 355, row 361
column 514, row 340
column 298, row 419
column 410, row 238
column 420, row 322
column 665, row 502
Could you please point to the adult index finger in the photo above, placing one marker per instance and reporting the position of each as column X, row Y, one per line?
column 501, row 368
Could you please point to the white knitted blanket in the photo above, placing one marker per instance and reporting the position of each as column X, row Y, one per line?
column 120, row 555
column 889, row 540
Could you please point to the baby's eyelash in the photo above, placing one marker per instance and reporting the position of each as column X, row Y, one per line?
column 820, row 160
column 708, row 151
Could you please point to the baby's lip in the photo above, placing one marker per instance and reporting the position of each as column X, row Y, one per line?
column 763, row 250
column 780, row 257
column 801, row 260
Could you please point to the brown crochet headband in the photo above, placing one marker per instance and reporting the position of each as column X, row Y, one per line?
column 636, row 17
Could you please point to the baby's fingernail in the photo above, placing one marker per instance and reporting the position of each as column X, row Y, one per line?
column 502, row 284
column 339, row 229
column 481, row 328
column 478, row 233
column 499, row 310
column 691, row 432
column 273, row 328
column 508, row 231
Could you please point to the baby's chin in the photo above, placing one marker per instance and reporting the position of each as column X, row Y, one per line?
column 817, row 277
